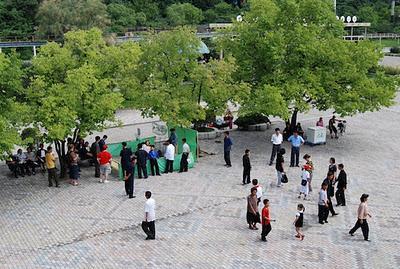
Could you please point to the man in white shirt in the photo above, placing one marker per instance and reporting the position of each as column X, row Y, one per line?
column 185, row 156
column 148, row 225
column 169, row 157
column 276, row 140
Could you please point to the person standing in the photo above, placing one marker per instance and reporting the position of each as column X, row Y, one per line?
column 279, row 166
column 41, row 157
column 362, row 215
column 148, row 225
column 298, row 222
column 341, row 186
column 95, row 150
column 153, row 157
column 323, row 204
column 259, row 190
column 129, row 176
column 173, row 138
column 169, row 157
column 246, row 167
column 253, row 217
column 310, row 169
column 102, row 142
column 185, row 156
column 227, row 149
column 330, row 182
column 296, row 142
column 332, row 127
column 265, row 221
column 332, row 167
column 30, row 161
column 305, row 177
column 50, row 161
column 125, row 154
column 141, row 156
column 320, row 122
column 73, row 165
column 276, row 140
column 104, row 158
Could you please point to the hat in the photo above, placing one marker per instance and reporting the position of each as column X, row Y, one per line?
column 364, row 195
column 105, row 147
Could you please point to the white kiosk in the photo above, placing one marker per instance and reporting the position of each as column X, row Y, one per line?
column 316, row 135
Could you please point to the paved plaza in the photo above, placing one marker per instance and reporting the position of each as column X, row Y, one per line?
column 202, row 214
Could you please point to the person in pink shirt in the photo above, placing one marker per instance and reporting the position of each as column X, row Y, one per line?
column 320, row 122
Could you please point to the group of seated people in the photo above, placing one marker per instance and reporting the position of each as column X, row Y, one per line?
column 25, row 163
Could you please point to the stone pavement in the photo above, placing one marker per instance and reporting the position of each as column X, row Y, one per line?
column 201, row 214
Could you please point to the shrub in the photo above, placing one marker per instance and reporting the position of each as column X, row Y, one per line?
column 395, row 50
column 243, row 122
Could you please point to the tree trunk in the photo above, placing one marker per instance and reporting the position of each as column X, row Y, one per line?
column 60, row 148
column 293, row 121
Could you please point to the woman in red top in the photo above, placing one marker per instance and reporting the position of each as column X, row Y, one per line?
column 265, row 220
column 104, row 158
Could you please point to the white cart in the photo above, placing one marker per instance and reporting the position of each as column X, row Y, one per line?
column 316, row 135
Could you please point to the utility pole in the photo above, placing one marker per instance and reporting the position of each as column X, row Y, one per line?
column 334, row 6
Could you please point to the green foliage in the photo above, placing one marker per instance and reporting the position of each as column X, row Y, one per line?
column 123, row 17
column 17, row 18
column 56, row 17
column 184, row 14
column 250, row 119
column 294, row 65
column 391, row 70
column 395, row 50
column 70, row 89
column 174, row 86
column 222, row 12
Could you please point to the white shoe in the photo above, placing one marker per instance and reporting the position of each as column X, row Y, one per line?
column 100, row 181
column 106, row 181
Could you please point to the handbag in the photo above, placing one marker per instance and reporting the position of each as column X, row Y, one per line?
column 284, row 178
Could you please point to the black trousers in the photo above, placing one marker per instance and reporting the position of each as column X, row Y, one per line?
column 184, row 163
column 323, row 212
column 330, row 207
column 130, row 185
column 154, row 164
column 96, row 168
column 52, row 175
column 30, row 165
column 340, row 197
column 142, row 168
column 364, row 228
column 294, row 156
column 266, row 228
column 275, row 150
column 149, row 229
column 23, row 168
column 227, row 157
column 169, row 166
column 246, row 175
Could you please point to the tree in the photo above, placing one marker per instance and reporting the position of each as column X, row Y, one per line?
column 17, row 18
column 175, row 87
column 56, row 17
column 71, row 92
column 14, row 112
column 294, row 56
column 184, row 14
column 123, row 17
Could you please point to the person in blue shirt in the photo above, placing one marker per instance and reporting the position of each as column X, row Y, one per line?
column 296, row 142
column 153, row 156
column 227, row 149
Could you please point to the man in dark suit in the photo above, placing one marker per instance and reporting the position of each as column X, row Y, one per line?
column 341, row 186
column 329, row 180
column 246, row 167
column 141, row 155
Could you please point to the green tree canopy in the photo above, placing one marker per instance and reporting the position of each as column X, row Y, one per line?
column 173, row 85
column 294, row 56
column 184, row 14
column 72, row 92
column 17, row 18
column 56, row 17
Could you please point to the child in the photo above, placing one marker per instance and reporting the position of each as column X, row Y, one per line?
column 265, row 220
column 259, row 190
column 246, row 167
column 298, row 222
column 305, row 177
column 309, row 162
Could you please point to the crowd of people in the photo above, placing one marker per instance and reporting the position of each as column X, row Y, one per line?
column 336, row 178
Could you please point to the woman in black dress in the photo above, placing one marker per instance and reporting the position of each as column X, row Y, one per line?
column 298, row 222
